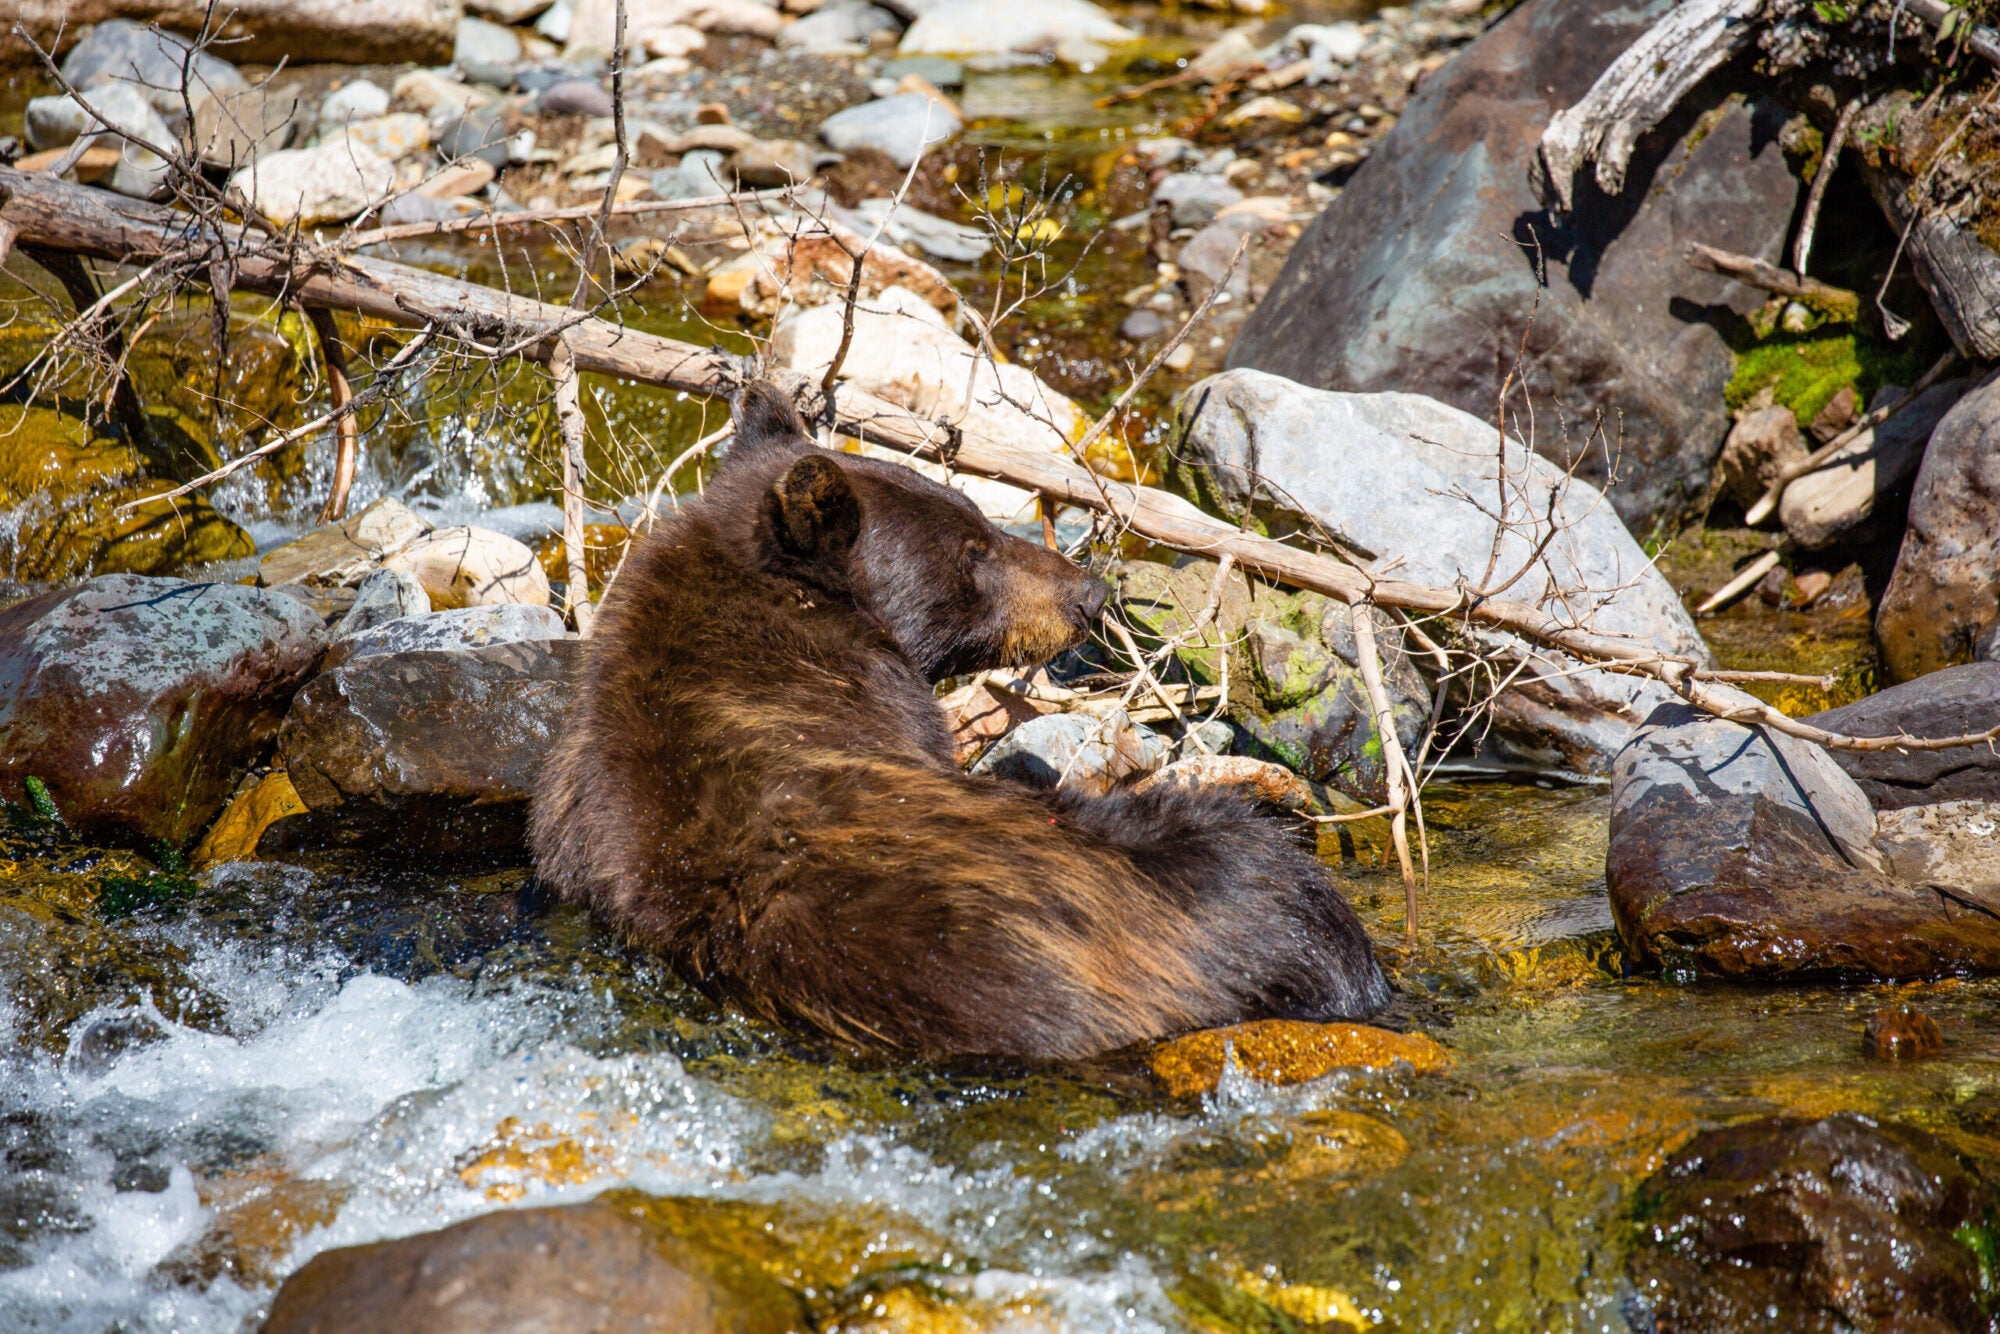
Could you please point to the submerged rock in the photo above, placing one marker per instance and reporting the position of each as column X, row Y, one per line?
column 1744, row 853
column 1958, row 701
column 433, row 750
column 582, row 1267
column 1402, row 478
column 1843, row 1223
column 1287, row 1051
column 140, row 702
column 1422, row 274
column 234, row 835
column 1945, row 593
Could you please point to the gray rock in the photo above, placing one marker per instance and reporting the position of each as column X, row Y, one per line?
column 486, row 52
column 447, row 631
column 773, row 162
column 702, row 171
column 1075, row 750
column 1869, row 473
column 1396, row 476
column 141, row 702
column 1958, row 701
column 478, row 133
column 119, row 50
column 53, row 122
column 1417, row 277
column 575, row 97
column 1142, row 324
column 431, row 750
column 1204, row 260
column 1945, row 593
column 935, row 70
column 940, row 238
column 1195, row 198
column 384, row 596
column 555, row 21
column 231, row 128
column 841, row 25
column 901, row 126
column 356, row 100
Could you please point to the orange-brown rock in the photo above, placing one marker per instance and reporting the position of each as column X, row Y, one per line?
column 1284, row 1051
column 1899, row 1033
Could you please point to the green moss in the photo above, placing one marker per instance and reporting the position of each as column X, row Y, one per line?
column 1804, row 371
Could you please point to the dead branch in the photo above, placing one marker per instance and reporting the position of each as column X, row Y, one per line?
column 346, row 428
column 1835, row 303
column 1401, row 780
column 1741, row 584
column 1828, row 161
column 570, row 424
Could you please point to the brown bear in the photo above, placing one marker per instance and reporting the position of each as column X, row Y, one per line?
column 755, row 780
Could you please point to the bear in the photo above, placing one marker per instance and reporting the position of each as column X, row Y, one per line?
column 755, row 781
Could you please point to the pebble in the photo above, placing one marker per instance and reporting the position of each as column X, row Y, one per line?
column 576, row 97
column 1194, row 199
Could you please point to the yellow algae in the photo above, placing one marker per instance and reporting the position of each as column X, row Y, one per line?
column 233, row 837
column 521, row 1157
column 1309, row 1304
column 1284, row 1051
column 258, row 1214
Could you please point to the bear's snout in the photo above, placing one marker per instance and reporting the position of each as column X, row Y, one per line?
column 1090, row 602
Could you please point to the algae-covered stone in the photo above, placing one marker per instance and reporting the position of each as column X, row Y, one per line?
column 65, row 485
column 140, row 701
column 1286, row 1051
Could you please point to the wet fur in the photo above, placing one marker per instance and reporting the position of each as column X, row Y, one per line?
column 757, row 783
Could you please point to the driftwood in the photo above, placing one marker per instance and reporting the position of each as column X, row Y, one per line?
column 1836, row 303
column 1638, row 91
column 263, row 31
column 1957, row 270
column 77, row 220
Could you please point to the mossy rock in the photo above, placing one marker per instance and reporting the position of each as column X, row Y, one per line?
column 64, row 484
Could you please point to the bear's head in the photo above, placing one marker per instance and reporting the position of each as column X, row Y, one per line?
column 955, row 592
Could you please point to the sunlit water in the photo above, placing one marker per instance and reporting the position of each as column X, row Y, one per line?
column 202, row 1096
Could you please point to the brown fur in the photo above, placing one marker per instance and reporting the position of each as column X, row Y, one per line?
column 756, row 782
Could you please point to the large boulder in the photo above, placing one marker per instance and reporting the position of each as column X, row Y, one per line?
column 1404, row 478
column 1958, row 701
column 156, row 63
column 1945, row 593
column 1740, row 852
column 975, row 27
column 583, row 1267
column 1421, row 275
column 140, row 702
column 431, row 750
column 303, row 32
column 1794, row 1224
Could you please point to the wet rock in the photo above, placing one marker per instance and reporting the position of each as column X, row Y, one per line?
column 472, row 567
column 344, row 553
column 1286, row 1051
column 1075, row 750
column 149, row 60
column 974, row 27
column 449, row 631
column 140, row 701
column 1744, row 853
column 433, row 750
column 1900, row 1033
column 904, row 351
column 1840, row 1223
column 1421, row 274
column 1391, row 475
column 1759, row 447
column 1945, row 592
column 901, row 126
column 1959, row 701
column 329, row 183
column 583, row 1267
column 1869, row 472
column 841, row 25
column 486, row 52
column 1193, row 199
column 384, row 596
column 255, row 808
column 575, row 97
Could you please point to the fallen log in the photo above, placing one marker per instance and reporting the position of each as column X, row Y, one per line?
column 352, row 32
column 84, row 221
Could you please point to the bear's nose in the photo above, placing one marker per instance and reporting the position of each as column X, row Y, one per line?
column 1095, row 594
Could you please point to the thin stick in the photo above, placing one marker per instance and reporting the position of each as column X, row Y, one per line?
column 570, row 422
column 1361, row 615
column 346, row 430
column 1741, row 584
column 553, row 216
column 1836, row 303
column 1828, row 160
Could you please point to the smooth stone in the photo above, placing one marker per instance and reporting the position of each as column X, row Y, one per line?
column 1870, row 472
column 486, row 52
column 901, row 126
column 329, row 183
column 1075, row 750
column 478, row 133
column 1758, row 448
column 1420, row 276
column 384, row 596
column 466, row 566
column 1142, row 324
column 578, row 1267
column 141, row 701
column 345, row 552
column 450, row 631
column 1193, row 198
column 437, row 750
column 1287, row 1051
column 53, row 122
column 1204, row 260
column 773, row 162
column 152, row 61
column 976, row 27
column 395, row 136
column 1945, row 594
column 232, row 128
column 839, row 25
column 575, row 97
column 355, row 100
column 1901, row 1033
column 557, row 20
column 507, row 11
column 1381, row 471
column 1958, row 701
column 1847, row 1222
column 940, row 238
column 934, row 70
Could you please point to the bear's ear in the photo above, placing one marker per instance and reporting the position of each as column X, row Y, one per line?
column 816, row 512
column 762, row 413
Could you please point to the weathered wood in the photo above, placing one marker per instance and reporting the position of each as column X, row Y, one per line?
column 1955, row 267
column 355, row 32
column 1637, row 92
column 1981, row 40
column 1836, row 303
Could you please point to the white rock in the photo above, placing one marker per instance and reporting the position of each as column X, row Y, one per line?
column 1877, row 464
column 356, row 101
column 344, row 553
column 977, row 27
column 940, row 238
column 557, row 20
column 473, row 567
column 330, row 183
column 904, row 351
column 1327, row 43
column 435, row 95
column 901, row 126
column 840, row 25
column 455, row 630
column 486, row 51
column 672, row 40
column 507, row 11
column 593, row 26
column 394, row 136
